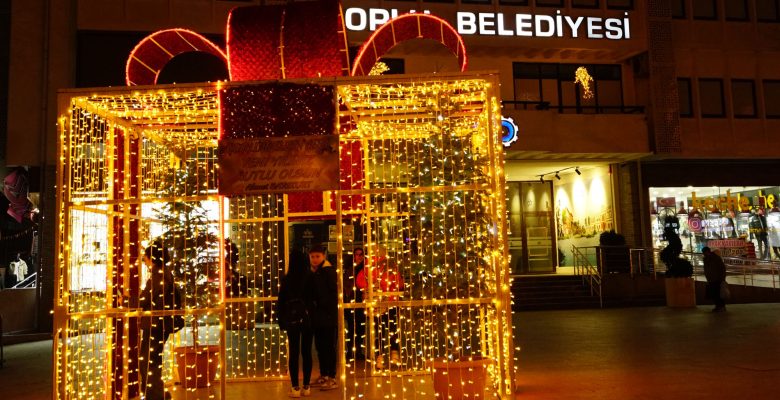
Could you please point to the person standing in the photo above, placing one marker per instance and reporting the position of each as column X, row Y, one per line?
column 294, row 317
column 323, row 292
column 159, row 294
column 355, row 317
column 715, row 272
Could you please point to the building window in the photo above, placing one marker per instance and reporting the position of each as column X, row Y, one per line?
column 768, row 10
column 678, row 9
column 772, row 98
column 711, row 98
column 684, row 95
column 585, row 3
column 743, row 98
column 705, row 9
column 620, row 4
column 736, row 10
column 541, row 86
column 549, row 3
column 513, row 2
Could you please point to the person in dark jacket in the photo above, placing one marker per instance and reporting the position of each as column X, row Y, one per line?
column 292, row 293
column 715, row 272
column 355, row 318
column 324, row 317
column 159, row 294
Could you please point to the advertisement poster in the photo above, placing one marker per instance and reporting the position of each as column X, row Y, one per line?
column 278, row 165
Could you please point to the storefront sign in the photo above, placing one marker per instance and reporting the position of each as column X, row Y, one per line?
column 278, row 165
column 666, row 202
column 721, row 203
column 728, row 247
column 506, row 24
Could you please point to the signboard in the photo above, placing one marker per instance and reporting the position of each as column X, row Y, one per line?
column 729, row 247
column 278, row 165
column 506, row 24
column 665, row 202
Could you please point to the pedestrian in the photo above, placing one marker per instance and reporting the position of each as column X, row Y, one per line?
column 323, row 293
column 294, row 317
column 715, row 272
column 159, row 294
column 355, row 317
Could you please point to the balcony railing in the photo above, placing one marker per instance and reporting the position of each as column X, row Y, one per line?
column 575, row 109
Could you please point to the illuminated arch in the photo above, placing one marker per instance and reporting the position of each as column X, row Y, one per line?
column 152, row 53
column 406, row 27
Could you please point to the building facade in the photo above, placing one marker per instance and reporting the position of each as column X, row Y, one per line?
column 684, row 96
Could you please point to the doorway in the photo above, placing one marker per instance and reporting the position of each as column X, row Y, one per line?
column 532, row 234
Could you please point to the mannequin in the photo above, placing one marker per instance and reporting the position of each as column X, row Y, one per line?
column 19, row 268
column 758, row 232
column 773, row 231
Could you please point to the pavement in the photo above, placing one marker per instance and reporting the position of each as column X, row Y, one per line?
column 630, row 353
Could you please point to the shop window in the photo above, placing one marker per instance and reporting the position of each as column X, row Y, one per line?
column 678, row 9
column 542, row 86
column 768, row 10
column 585, row 3
column 513, row 2
column 711, row 98
column 549, row 3
column 620, row 4
column 705, row 9
column 772, row 98
column 462, row 1
column 684, row 95
column 736, row 10
column 743, row 98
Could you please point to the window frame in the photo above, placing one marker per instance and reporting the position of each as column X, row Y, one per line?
column 586, row 7
column 774, row 19
column 630, row 6
column 691, row 112
column 684, row 10
column 754, row 99
column 561, row 4
column 763, row 92
column 722, row 98
column 746, row 18
column 712, row 18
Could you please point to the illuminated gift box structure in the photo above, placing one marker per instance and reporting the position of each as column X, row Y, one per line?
column 420, row 183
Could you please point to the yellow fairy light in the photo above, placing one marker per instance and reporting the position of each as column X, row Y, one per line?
column 582, row 77
column 378, row 69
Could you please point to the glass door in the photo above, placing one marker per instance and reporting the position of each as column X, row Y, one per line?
column 532, row 236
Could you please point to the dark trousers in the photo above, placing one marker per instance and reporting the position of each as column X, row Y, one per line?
column 713, row 292
column 299, row 342
column 356, row 330
column 150, row 365
column 387, row 330
column 325, row 342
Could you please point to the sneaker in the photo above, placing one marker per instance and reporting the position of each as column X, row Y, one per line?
column 330, row 384
column 295, row 392
column 379, row 361
column 306, row 391
column 320, row 381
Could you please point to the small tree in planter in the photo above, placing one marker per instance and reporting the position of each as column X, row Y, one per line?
column 680, row 288
column 613, row 253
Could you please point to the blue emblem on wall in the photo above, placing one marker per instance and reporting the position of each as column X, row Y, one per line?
column 510, row 131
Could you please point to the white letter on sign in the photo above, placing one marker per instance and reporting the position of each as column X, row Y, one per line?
column 350, row 15
column 377, row 17
column 467, row 23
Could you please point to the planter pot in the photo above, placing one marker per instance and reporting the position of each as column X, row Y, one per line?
column 460, row 379
column 197, row 365
column 680, row 292
column 614, row 259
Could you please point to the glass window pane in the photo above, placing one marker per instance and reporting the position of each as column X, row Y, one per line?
column 620, row 4
column 711, row 97
column 550, row 91
column 678, row 9
column 772, row 98
column 585, row 3
column 569, row 93
column 527, row 89
column 705, row 9
column 684, row 95
column 514, row 2
column 736, row 10
column 549, row 3
column 743, row 97
column 610, row 94
column 767, row 10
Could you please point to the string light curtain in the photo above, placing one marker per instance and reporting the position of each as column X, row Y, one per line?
column 426, row 204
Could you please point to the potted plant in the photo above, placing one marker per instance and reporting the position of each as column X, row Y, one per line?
column 680, row 286
column 194, row 249
column 612, row 253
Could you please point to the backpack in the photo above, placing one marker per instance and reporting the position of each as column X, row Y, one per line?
column 294, row 315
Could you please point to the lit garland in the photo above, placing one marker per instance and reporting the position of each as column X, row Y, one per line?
column 582, row 77
column 429, row 175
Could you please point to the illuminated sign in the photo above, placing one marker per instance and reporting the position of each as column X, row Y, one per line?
column 506, row 24
column 510, row 131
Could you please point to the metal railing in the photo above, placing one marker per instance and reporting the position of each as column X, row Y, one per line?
column 2, row 349
column 572, row 109
column 28, row 282
column 590, row 274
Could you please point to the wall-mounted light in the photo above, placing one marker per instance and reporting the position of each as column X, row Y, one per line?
column 558, row 177
column 577, row 170
column 541, row 178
